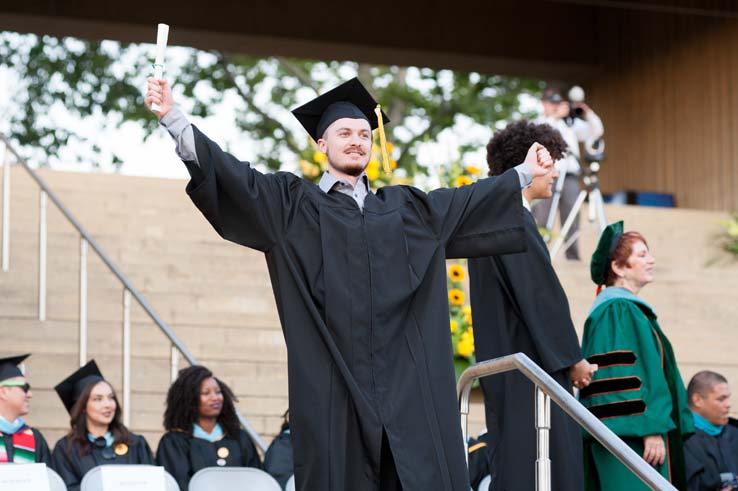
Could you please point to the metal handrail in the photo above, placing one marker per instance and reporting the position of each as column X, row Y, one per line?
column 547, row 387
column 177, row 346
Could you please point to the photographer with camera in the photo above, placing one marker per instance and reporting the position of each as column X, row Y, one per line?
column 711, row 454
column 576, row 122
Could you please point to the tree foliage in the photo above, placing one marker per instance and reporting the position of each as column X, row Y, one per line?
column 105, row 80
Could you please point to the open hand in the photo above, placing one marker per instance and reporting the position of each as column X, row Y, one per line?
column 158, row 92
column 654, row 450
column 539, row 160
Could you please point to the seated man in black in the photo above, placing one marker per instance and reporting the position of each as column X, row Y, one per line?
column 711, row 454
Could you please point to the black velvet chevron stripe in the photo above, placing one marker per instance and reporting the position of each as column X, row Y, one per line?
column 624, row 408
column 607, row 385
column 613, row 358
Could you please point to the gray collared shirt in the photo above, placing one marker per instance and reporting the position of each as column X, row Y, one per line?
column 329, row 182
column 180, row 129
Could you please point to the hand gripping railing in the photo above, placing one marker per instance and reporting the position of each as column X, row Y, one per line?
column 547, row 388
column 129, row 291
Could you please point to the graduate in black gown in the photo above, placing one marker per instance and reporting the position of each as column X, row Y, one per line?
column 278, row 458
column 202, row 427
column 97, row 436
column 19, row 443
column 519, row 305
column 359, row 280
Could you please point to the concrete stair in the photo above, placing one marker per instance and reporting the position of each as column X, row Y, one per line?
column 217, row 298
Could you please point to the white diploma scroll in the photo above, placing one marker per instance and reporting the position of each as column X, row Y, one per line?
column 162, row 36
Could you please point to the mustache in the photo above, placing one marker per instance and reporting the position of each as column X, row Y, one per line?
column 354, row 148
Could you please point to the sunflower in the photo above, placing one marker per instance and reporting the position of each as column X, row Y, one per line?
column 462, row 181
column 466, row 310
column 465, row 347
column 456, row 296
column 454, row 326
column 473, row 170
column 456, row 272
column 319, row 157
column 309, row 169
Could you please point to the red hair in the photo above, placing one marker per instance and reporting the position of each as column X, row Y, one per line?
column 622, row 253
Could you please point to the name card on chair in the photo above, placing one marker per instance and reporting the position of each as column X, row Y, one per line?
column 123, row 478
column 23, row 477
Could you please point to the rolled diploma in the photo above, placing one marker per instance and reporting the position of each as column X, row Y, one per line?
column 162, row 36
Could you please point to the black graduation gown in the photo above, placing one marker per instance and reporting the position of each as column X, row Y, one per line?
column 72, row 467
column 705, row 457
column 479, row 459
column 363, row 304
column 278, row 458
column 183, row 455
column 518, row 305
column 42, row 454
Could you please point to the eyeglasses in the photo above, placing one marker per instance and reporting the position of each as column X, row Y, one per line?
column 25, row 386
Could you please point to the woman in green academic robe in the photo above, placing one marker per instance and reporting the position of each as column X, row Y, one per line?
column 638, row 391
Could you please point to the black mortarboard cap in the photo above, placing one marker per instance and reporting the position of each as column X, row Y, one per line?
column 9, row 366
column 71, row 387
column 602, row 256
column 348, row 100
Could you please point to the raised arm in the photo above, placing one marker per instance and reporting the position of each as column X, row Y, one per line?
column 242, row 204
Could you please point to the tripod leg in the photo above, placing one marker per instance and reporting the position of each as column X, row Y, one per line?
column 555, row 201
column 568, row 223
column 595, row 199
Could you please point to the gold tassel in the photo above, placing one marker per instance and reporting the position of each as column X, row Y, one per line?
column 383, row 140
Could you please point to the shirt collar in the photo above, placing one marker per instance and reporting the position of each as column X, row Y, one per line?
column 526, row 204
column 329, row 180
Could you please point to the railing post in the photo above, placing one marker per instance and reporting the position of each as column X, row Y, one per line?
column 543, row 426
column 82, row 301
column 6, row 209
column 126, row 357
column 42, row 237
column 174, row 363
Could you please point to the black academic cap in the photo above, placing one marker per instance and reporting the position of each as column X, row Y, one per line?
column 348, row 100
column 9, row 366
column 71, row 387
column 602, row 256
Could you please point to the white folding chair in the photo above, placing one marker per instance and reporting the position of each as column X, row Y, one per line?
column 92, row 481
column 484, row 485
column 56, row 483
column 290, row 484
column 233, row 479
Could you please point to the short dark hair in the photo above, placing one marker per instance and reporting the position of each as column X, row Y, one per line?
column 183, row 402
column 703, row 382
column 508, row 147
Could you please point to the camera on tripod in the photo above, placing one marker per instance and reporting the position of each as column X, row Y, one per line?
column 576, row 95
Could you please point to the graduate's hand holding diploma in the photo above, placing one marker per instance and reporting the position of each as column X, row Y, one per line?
column 159, row 93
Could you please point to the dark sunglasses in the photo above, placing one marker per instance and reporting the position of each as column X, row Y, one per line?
column 25, row 386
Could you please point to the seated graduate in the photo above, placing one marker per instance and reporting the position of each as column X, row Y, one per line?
column 519, row 305
column 711, row 454
column 19, row 443
column 278, row 457
column 202, row 427
column 97, row 436
column 480, row 458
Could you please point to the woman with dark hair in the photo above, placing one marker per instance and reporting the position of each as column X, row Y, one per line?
column 97, row 436
column 202, row 427
column 638, row 391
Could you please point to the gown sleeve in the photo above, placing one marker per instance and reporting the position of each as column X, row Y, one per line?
column 242, row 204
column 481, row 219
column 43, row 454
column 629, row 392
column 65, row 464
column 174, row 455
column 249, row 455
column 541, row 302
column 144, row 454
